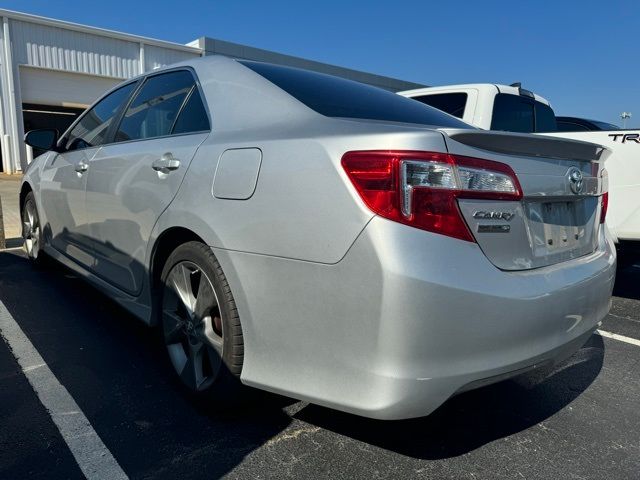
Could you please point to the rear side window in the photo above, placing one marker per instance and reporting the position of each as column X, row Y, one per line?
column 92, row 128
column 337, row 97
column 193, row 117
column 452, row 103
column 545, row 118
column 154, row 110
column 512, row 113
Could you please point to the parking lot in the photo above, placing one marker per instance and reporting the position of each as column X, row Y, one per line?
column 578, row 421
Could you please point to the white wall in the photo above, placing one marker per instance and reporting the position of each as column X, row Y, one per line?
column 64, row 89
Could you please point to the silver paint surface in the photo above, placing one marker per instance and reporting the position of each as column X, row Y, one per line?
column 338, row 306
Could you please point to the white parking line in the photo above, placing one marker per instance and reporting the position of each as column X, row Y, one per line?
column 93, row 457
column 621, row 338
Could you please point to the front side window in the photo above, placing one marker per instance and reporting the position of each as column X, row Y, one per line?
column 155, row 109
column 452, row 103
column 92, row 128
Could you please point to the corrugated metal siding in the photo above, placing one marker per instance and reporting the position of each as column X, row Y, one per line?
column 44, row 46
column 62, row 49
column 155, row 57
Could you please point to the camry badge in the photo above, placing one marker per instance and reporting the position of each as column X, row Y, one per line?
column 576, row 180
column 484, row 215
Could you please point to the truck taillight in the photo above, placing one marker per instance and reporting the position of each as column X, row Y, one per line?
column 421, row 188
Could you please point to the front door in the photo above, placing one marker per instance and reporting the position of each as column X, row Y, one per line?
column 132, row 180
column 62, row 192
column 64, row 179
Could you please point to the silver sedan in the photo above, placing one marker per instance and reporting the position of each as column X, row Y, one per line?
column 323, row 239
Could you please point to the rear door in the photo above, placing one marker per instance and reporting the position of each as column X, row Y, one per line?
column 133, row 179
column 64, row 178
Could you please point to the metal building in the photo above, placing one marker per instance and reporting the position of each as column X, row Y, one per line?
column 212, row 46
column 51, row 70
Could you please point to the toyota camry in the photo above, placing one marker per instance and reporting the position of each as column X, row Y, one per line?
column 324, row 239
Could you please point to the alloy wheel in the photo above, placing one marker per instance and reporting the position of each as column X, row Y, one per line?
column 192, row 325
column 31, row 230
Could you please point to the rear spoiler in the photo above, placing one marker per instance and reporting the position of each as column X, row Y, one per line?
column 529, row 145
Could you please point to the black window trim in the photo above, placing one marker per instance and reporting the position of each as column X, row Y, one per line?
column 113, row 130
column 141, row 80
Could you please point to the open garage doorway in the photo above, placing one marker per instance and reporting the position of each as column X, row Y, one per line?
column 44, row 116
column 54, row 99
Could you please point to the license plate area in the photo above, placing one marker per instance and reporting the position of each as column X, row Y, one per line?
column 562, row 226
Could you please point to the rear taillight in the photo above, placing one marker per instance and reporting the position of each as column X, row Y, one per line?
column 604, row 207
column 604, row 202
column 421, row 188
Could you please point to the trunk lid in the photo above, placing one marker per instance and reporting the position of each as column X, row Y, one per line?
column 558, row 218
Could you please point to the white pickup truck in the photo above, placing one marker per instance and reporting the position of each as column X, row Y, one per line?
column 512, row 108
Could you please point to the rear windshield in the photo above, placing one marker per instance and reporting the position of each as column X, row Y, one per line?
column 545, row 118
column 515, row 113
column 337, row 97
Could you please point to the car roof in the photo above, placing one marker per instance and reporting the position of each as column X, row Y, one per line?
column 575, row 119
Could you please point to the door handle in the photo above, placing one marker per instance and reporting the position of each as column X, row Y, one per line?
column 166, row 163
column 82, row 167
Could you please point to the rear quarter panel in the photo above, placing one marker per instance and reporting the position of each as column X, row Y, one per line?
column 304, row 207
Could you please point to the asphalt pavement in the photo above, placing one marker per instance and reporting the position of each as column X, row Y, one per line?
column 578, row 421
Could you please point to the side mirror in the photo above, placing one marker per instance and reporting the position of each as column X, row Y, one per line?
column 42, row 139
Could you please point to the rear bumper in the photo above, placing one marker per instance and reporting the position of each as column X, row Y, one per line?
column 409, row 318
column 456, row 320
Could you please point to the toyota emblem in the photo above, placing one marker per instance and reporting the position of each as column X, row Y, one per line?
column 576, row 180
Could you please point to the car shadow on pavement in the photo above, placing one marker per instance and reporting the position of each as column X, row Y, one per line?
column 477, row 417
column 117, row 371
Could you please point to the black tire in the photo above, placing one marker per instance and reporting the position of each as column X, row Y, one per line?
column 32, row 231
column 204, row 322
